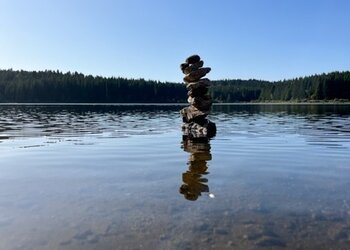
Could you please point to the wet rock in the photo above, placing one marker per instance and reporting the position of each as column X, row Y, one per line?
column 191, row 113
column 193, row 59
column 252, row 236
column 221, row 231
column 196, row 75
column 194, row 130
column 267, row 241
column 339, row 232
column 202, row 227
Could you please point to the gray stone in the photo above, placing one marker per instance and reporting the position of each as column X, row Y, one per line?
column 196, row 75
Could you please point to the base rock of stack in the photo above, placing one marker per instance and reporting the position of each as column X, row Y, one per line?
column 193, row 130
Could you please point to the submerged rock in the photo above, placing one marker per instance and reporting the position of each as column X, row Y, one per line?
column 194, row 130
column 267, row 241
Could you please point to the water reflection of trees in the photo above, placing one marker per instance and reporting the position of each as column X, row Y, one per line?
column 194, row 182
column 286, row 109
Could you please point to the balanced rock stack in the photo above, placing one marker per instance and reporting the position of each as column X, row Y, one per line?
column 196, row 125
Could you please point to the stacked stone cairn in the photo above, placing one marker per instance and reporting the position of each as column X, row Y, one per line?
column 195, row 122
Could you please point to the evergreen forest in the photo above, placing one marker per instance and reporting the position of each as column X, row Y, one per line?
column 57, row 87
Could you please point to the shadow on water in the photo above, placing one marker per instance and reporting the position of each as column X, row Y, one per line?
column 194, row 181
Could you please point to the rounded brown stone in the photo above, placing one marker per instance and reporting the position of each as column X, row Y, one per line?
column 183, row 66
column 193, row 59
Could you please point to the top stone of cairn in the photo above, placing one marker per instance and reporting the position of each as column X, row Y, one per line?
column 193, row 59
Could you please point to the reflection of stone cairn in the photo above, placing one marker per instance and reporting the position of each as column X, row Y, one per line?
column 194, row 182
column 196, row 125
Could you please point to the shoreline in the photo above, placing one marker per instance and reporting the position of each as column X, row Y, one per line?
column 171, row 104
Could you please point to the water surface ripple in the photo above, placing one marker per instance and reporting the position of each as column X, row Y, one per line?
column 121, row 177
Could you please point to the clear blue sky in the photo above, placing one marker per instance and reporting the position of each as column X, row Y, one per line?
column 263, row 39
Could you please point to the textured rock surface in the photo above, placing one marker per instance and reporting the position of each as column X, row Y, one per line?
column 196, row 75
column 196, row 125
column 193, row 67
column 201, row 103
column 204, row 82
column 191, row 113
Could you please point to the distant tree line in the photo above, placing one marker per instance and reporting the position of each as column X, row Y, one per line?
column 55, row 86
column 332, row 86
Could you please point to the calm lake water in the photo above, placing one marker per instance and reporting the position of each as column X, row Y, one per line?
column 120, row 177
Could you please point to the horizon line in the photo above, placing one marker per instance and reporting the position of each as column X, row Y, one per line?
column 141, row 78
